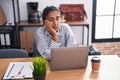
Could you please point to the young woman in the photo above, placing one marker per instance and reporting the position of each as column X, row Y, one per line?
column 53, row 34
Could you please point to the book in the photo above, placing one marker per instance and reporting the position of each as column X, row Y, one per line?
column 19, row 70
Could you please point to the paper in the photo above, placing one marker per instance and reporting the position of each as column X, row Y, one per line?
column 19, row 70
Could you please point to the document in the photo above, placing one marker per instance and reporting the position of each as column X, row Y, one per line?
column 19, row 70
column 2, row 39
column 7, row 39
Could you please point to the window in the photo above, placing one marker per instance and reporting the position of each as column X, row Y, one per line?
column 106, row 20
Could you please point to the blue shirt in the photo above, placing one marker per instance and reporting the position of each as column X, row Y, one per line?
column 45, row 42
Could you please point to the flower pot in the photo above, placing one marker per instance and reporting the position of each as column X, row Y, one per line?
column 39, row 77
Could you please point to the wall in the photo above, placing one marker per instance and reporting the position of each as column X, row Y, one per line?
column 43, row 3
column 108, row 48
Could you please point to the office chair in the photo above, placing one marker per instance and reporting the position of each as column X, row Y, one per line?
column 13, row 53
column 36, row 52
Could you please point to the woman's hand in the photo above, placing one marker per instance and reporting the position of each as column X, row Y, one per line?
column 52, row 31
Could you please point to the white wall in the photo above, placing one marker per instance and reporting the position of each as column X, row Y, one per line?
column 43, row 3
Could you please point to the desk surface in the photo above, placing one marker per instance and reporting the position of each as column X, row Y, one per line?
column 109, row 70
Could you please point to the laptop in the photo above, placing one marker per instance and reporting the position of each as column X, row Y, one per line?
column 66, row 58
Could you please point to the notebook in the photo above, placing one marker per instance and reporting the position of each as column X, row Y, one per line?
column 67, row 58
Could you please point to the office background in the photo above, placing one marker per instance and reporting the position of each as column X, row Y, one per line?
column 42, row 4
column 105, row 48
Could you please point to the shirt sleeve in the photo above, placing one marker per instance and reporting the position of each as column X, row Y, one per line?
column 54, row 44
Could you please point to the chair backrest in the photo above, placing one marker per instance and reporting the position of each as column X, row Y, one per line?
column 36, row 52
column 13, row 53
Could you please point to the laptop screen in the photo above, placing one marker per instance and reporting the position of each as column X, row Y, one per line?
column 69, row 58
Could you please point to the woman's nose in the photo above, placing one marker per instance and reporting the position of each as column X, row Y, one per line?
column 55, row 22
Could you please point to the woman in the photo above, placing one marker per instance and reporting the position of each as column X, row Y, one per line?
column 54, row 34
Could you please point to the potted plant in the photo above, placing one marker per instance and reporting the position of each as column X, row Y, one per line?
column 39, row 65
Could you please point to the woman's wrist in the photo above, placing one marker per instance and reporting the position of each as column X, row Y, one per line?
column 55, row 38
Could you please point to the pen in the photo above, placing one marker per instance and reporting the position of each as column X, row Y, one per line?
column 11, row 69
column 20, row 70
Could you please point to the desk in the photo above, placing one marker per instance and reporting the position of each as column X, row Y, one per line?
column 76, row 23
column 109, row 70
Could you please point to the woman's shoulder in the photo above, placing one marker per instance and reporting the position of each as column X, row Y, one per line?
column 65, row 26
column 41, row 30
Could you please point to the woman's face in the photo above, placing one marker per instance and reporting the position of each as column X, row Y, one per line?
column 54, row 19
